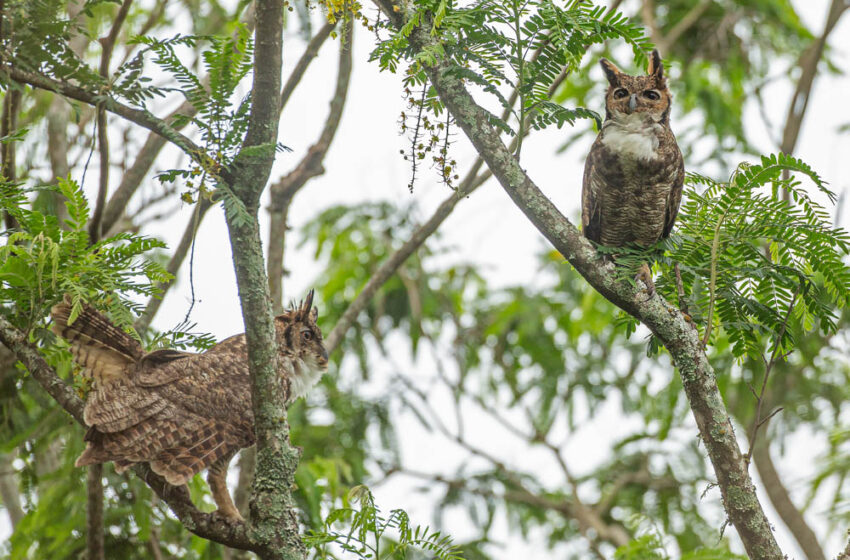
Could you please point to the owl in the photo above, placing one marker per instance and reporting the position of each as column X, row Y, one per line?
column 179, row 411
column 634, row 173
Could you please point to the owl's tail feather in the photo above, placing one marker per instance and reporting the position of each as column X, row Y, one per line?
column 100, row 347
column 178, row 465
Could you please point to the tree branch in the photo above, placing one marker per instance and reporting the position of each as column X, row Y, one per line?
column 663, row 319
column 174, row 264
column 132, row 177
column 808, row 64
column 306, row 58
column 142, row 118
column 283, row 191
column 274, row 518
column 94, row 512
column 107, row 44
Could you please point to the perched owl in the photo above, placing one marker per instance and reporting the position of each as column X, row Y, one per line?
column 179, row 411
column 634, row 173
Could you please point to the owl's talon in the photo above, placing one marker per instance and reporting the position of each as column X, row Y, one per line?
column 229, row 515
column 645, row 276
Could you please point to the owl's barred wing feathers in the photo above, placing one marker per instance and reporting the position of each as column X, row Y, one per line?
column 590, row 211
column 179, row 411
column 100, row 347
column 675, row 198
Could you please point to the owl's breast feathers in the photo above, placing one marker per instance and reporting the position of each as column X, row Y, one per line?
column 632, row 185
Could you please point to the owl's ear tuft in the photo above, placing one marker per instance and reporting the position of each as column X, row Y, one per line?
column 314, row 314
column 611, row 71
column 656, row 67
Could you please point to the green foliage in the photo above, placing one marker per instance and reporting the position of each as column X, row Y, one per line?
column 507, row 49
column 751, row 260
column 43, row 260
column 222, row 127
column 371, row 535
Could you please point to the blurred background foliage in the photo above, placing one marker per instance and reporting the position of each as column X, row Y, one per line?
column 440, row 353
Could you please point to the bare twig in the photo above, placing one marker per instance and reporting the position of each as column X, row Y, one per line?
column 758, row 420
column 174, row 264
column 306, row 58
column 283, row 191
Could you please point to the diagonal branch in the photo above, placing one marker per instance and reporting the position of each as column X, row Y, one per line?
column 311, row 165
column 470, row 182
column 663, row 319
column 132, row 178
column 145, row 119
column 306, row 58
column 781, row 500
column 809, row 64
column 174, row 264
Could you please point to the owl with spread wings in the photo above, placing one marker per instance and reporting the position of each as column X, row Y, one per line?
column 179, row 411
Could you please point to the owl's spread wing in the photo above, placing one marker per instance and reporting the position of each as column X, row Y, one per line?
column 591, row 220
column 674, row 199
column 177, row 410
column 96, row 344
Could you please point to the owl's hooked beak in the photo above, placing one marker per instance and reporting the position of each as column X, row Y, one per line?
column 632, row 103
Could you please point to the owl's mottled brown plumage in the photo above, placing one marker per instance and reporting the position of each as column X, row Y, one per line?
column 634, row 172
column 181, row 412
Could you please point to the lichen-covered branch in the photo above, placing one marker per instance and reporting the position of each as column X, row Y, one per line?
column 273, row 515
column 663, row 319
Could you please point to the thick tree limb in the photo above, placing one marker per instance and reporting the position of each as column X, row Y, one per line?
column 94, row 512
column 663, row 319
column 274, row 518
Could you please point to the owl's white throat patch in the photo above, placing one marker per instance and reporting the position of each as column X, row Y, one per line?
column 631, row 135
column 305, row 376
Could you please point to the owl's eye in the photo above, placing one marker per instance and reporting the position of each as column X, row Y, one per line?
column 652, row 94
column 620, row 93
column 307, row 335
